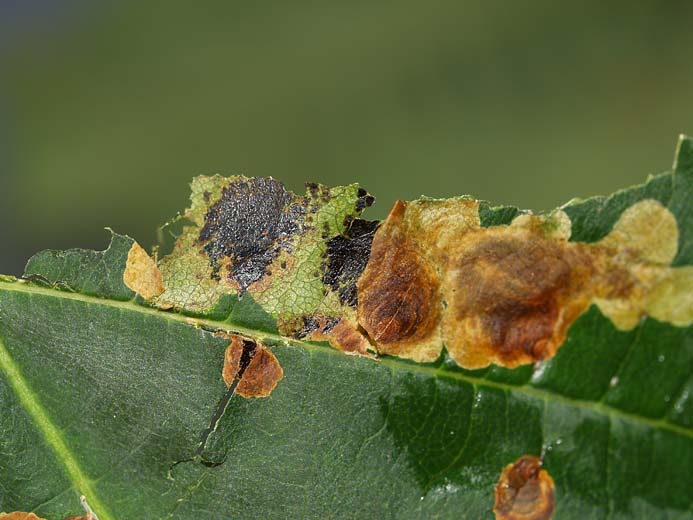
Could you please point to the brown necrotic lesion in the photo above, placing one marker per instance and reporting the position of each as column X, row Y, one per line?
column 255, row 366
column 400, row 301
column 524, row 491
column 508, row 294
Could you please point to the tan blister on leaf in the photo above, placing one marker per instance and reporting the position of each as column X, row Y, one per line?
column 671, row 299
column 647, row 229
column 524, row 491
column 508, row 294
column 142, row 274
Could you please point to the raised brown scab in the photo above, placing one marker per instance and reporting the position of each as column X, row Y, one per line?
column 258, row 368
column 524, row 491
column 399, row 296
column 511, row 292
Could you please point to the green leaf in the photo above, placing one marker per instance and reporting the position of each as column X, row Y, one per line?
column 106, row 395
column 96, row 273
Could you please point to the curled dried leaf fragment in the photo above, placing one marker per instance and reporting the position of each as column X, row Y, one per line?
column 142, row 274
column 524, row 491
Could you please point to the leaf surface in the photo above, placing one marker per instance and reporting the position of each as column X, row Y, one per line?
column 107, row 395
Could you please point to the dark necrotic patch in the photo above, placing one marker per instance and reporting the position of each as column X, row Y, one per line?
column 254, row 219
column 365, row 200
column 347, row 256
column 312, row 189
column 249, row 348
column 323, row 324
column 310, row 324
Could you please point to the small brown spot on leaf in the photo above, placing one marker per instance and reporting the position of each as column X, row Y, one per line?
column 141, row 273
column 258, row 368
column 524, row 491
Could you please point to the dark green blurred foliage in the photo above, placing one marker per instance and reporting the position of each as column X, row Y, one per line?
column 110, row 110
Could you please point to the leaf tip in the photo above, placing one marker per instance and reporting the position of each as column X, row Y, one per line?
column 683, row 158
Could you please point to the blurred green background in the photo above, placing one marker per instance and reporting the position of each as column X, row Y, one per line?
column 108, row 109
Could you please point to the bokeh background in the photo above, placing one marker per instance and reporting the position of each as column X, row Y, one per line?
column 107, row 109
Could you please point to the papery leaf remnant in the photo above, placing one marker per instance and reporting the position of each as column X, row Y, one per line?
column 249, row 237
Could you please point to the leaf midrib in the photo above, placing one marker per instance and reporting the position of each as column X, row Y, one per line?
column 392, row 362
